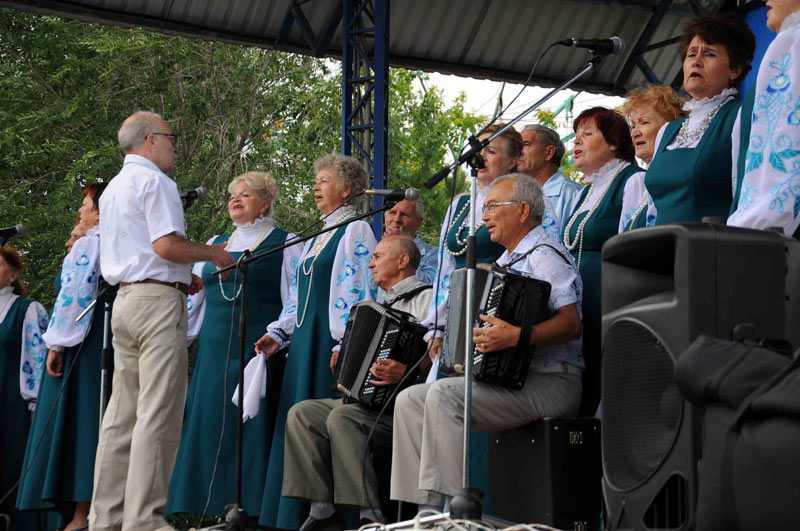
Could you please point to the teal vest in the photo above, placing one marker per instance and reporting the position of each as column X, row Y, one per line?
column 688, row 184
column 746, row 122
column 486, row 251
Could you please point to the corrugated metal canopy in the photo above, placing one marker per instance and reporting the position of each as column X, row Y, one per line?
column 494, row 39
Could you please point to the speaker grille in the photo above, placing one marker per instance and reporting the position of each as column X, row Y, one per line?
column 642, row 407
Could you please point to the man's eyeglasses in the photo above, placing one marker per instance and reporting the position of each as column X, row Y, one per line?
column 492, row 207
column 172, row 137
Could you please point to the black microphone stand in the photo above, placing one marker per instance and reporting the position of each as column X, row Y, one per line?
column 467, row 505
column 235, row 516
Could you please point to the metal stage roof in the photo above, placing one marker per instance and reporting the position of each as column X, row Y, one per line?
column 493, row 39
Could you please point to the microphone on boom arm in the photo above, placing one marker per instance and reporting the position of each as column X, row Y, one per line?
column 610, row 46
column 193, row 195
column 411, row 194
column 8, row 232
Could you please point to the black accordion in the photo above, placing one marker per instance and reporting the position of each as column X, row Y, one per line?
column 513, row 297
column 376, row 332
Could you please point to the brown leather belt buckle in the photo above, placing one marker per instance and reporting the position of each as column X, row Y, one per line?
column 180, row 286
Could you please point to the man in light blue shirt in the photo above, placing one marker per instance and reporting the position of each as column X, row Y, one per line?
column 405, row 219
column 542, row 152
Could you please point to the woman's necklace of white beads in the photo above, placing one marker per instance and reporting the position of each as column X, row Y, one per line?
column 686, row 137
column 252, row 248
column 578, row 241
column 464, row 225
column 316, row 249
column 639, row 209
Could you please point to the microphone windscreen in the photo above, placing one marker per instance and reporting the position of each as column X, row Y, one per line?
column 21, row 230
column 202, row 191
column 619, row 45
column 412, row 194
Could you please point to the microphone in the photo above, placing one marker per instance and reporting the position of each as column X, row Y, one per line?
column 611, row 46
column 7, row 233
column 411, row 194
column 193, row 195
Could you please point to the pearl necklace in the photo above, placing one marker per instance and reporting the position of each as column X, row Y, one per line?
column 315, row 251
column 578, row 241
column 252, row 248
column 643, row 202
column 686, row 137
column 464, row 225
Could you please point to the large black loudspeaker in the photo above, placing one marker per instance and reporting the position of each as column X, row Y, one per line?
column 662, row 286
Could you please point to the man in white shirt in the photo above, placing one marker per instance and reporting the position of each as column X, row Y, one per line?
column 325, row 438
column 428, row 426
column 542, row 152
column 143, row 249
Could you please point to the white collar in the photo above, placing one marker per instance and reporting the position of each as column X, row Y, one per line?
column 132, row 158
column 605, row 171
column 526, row 243
column 93, row 231
column 6, row 291
column 792, row 20
column 338, row 215
column 257, row 225
column 707, row 104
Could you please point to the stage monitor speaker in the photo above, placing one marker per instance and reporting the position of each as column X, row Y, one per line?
column 662, row 287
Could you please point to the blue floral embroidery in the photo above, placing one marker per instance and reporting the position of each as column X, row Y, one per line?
column 189, row 304
column 785, row 191
column 550, row 226
column 340, row 304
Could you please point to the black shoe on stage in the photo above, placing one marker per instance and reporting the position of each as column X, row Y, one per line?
column 330, row 523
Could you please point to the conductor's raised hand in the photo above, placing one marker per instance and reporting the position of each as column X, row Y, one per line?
column 499, row 336
column 220, row 257
column 266, row 345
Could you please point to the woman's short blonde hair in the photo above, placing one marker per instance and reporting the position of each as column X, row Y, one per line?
column 261, row 183
column 351, row 172
column 664, row 100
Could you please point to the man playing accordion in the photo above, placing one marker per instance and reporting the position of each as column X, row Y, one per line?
column 428, row 419
column 325, row 438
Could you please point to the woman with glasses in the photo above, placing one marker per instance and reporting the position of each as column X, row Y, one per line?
column 213, row 321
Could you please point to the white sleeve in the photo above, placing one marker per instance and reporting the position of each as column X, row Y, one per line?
column 631, row 199
column 79, row 276
column 441, row 289
column 162, row 207
column 33, row 353
column 282, row 328
column 736, row 133
column 770, row 192
column 350, row 275
column 196, row 304
column 291, row 259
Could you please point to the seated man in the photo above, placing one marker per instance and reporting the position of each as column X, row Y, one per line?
column 325, row 438
column 428, row 419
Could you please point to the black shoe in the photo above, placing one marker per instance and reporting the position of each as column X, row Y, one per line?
column 330, row 523
column 367, row 522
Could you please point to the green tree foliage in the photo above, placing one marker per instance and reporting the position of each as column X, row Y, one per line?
column 65, row 88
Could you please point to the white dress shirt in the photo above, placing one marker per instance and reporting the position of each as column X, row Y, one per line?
column 140, row 205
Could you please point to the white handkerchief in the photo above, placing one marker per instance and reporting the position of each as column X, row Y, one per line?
column 255, row 387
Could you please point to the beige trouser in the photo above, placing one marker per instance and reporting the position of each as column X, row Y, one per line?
column 142, row 426
column 324, row 452
column 428, row 426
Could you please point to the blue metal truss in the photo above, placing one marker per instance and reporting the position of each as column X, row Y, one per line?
column 365, row 83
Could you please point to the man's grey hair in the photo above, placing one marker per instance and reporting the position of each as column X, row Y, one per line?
column 419, row 210
column 407, row 246
column 135, row 129
column 548, row 137
column 526, row 189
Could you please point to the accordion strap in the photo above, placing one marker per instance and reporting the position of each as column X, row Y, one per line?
column 408, row 294
column 559, row 253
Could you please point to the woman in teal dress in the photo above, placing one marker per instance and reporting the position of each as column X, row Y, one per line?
column 647, row 109
column 213, row 320
column 331, row 278
column 22, row 356
column 60, row 450
column 604, row 152
column 690, row 176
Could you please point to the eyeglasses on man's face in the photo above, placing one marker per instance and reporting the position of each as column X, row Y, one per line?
column 172, row 137
column 491, row 207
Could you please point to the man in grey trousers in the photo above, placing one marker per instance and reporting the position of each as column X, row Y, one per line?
column 325, row 438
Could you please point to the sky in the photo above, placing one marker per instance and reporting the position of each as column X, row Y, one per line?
column 482, row 98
